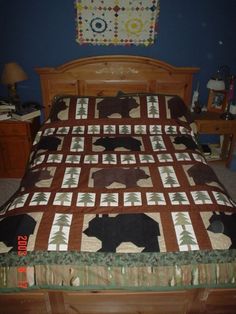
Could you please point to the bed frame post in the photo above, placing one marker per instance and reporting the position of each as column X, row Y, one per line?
column 57, row 304
column 198, row 302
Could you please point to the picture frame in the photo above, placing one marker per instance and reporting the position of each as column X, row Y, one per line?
column 217, row 101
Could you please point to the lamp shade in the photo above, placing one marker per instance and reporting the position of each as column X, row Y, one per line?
column 13, row 73
column 216, row 84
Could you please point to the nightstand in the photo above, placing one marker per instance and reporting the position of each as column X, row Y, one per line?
column 211, row 123
column 16, row 138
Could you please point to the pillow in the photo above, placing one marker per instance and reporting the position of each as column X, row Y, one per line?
column 130, row 106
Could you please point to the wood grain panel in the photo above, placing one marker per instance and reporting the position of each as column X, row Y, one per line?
column 111, row 87
column 30, row 303
column 128, row 303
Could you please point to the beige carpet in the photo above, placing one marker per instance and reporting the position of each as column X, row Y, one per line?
column 227, row 177
column 7, row 188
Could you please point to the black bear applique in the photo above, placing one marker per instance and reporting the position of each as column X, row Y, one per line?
column 179, row 109
column 59, row 106
column 49, row 143
column 203, row 174
column 32, row 177
column 226, row 224
column 111, row 105
column 13, row 226
column 139, row 229
column 186, row 140
column 128, row 177
column 111, row 143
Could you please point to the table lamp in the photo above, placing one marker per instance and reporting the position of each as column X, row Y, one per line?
column 216, row 84
column 223, row 80
column 11, row 75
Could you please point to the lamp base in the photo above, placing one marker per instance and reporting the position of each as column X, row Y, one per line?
column 14, row 98
column 227, row 116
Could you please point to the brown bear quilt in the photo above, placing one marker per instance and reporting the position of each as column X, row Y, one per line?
column 117, row 188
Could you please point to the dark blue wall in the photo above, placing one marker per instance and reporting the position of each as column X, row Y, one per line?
column 198, row 33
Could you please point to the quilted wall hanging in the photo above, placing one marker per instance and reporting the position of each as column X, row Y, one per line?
column 116, row 22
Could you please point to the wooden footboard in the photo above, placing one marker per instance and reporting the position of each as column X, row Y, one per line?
column 220, row 301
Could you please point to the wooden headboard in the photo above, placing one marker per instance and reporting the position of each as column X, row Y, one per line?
column 106, row 75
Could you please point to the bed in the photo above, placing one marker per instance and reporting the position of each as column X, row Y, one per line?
column 118, row 211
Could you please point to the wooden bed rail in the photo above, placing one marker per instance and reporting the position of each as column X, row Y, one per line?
column 190, row 301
